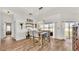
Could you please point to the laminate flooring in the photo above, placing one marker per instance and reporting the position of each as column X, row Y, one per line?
column 10, row 44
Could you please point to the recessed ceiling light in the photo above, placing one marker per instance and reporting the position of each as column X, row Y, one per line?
column 30, row 13
column 8, row 11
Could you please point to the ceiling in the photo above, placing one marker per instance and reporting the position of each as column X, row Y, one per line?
column 44, row 13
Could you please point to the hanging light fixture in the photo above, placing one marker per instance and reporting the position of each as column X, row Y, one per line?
column 40, row 8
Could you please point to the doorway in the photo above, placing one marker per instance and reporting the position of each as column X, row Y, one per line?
column 8, row 29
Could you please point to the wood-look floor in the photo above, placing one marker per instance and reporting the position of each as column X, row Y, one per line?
column 10, row 44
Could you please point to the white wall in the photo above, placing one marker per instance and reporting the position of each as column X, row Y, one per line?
column 19, row 33
column 0, row 25
column 6, row 19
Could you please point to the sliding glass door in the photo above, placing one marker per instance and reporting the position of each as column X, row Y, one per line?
column 68, row 29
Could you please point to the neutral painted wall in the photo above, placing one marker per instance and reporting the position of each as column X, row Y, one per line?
column 0, row 25
column 19, row 33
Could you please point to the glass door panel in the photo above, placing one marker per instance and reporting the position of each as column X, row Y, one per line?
column 68, row 29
